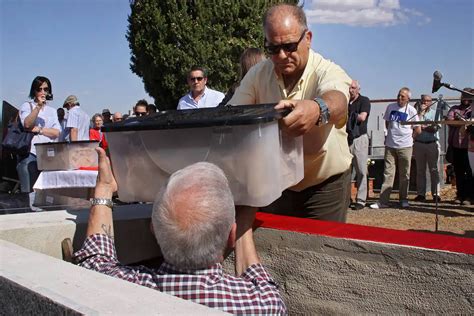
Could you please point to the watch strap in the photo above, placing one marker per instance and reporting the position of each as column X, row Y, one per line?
column 323, row 112
column 102, row 201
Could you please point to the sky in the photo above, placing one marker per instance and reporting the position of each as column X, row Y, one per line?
column 80, row 45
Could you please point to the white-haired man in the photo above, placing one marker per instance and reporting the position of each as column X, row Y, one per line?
column 77, row 120
column 398, row 148
column 194, row 223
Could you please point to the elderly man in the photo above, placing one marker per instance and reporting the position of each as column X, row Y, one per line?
column 359, row 110
column 77, row 120
column 199, row 96
column 316, row 90
column 398, row 148
column 194, row 223
column 117, row 117
column 426, row 150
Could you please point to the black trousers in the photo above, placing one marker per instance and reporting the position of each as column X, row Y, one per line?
column 325, row 201
column 462, row 170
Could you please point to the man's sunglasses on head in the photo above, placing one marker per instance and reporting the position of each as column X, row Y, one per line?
column 288, row 47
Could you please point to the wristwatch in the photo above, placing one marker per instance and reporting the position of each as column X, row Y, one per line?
column 102, row 201
column 324, row 114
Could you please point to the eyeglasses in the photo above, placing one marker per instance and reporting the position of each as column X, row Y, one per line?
column 288, row 47
column 426, row 101
column 196, row 78
column 140, row 113
column 42, row 89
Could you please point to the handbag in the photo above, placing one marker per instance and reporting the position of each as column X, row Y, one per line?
column 18, row 140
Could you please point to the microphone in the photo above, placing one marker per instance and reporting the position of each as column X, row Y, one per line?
column 436, row 81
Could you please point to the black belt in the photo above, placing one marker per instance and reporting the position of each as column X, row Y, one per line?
column 428, row 142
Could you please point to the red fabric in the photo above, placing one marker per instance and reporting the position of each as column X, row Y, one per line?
column 89, row 168
column 95, row 134
column 359, row 232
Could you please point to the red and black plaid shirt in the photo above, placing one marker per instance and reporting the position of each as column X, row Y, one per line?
column 254, row 292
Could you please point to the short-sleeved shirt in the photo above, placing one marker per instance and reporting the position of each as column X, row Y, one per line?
column 425, row 136
column 398, row 135
column 47, row 118
column 359, row 105
column 79, row 119
column 252, row 293
column 326, row 152
column 210, row 98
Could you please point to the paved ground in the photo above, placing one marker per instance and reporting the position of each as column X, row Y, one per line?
column 420, row 216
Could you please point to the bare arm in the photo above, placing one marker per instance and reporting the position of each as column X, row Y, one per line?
column 29, row 122
column 245, row 251
column 305, row 113
column 416, row 131
column 73, row 135
column 362, row 116
column 100, row 217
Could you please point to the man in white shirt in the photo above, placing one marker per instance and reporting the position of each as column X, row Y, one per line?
column 199, row 96
column 398, row 148
column 77, row 121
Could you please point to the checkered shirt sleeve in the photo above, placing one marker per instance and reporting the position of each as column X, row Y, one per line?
column 252, row 293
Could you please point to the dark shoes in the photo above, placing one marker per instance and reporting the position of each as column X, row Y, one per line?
column 419, row 198
column 436, row 198
column 358, row 206
column 462, row 202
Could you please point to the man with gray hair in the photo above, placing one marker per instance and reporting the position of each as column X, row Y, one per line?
column 194, row 223
column 77, row 120
column 359, row 111
column 398, row 148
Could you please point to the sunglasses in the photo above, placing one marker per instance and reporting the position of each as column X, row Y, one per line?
column 140, row 113
column 42, row 89
column 196, row 78
column 288, row 47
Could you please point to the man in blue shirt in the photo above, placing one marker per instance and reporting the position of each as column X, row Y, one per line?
column 199, row 96
column 426, row 150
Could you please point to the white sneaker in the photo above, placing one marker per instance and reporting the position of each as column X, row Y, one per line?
column 378, row 205
column 404, row 204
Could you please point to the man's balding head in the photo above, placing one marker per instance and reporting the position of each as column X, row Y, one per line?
column 287, row 40
column 354, row 90
column 282, row 13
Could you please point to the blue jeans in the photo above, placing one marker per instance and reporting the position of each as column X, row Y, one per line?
column 27, row 172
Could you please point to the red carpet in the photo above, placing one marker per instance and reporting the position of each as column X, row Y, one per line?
column 359, row 232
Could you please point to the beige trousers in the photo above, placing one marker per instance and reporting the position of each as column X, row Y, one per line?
column 394, row 158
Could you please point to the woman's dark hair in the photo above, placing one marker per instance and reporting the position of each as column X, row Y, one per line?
column 37, row 82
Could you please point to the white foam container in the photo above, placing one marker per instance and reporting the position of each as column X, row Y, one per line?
column 258, row 159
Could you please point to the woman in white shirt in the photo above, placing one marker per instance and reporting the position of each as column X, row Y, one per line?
column 41, row 119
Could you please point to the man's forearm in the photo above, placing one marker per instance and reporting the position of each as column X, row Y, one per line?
column 73, row 135
column 100, row 221
column 245, row 251
column 337, row 105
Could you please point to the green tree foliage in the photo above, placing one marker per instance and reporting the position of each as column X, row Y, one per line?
column 168, row 37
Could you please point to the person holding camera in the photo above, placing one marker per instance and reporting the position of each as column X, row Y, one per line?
column 41, row 119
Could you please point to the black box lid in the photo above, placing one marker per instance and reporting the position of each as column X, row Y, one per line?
column 218, row 116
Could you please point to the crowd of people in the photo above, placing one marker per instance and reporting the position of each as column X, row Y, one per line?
column 330, row 114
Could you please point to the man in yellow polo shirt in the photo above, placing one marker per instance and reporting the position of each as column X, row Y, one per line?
column 317, row 91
